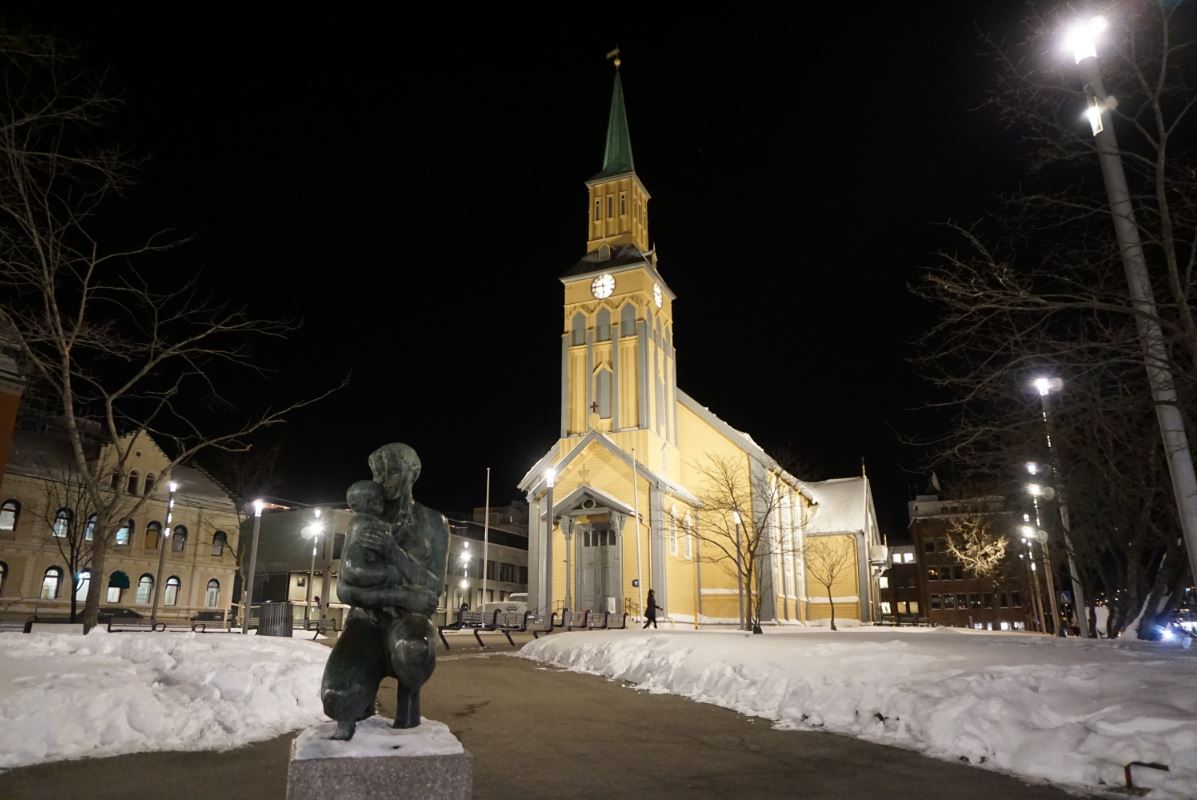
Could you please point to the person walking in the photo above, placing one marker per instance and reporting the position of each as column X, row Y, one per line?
column 650, row 610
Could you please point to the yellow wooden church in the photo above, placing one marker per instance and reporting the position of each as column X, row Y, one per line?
column 648, row 487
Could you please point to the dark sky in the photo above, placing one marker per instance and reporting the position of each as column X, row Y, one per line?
column 413, row 188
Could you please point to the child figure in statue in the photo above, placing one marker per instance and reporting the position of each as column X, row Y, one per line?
column 370, row 543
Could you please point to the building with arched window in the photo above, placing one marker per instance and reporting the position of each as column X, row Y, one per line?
column 200, row 546
column 631, row 473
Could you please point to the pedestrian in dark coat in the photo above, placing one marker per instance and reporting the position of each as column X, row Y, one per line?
column 650, row 610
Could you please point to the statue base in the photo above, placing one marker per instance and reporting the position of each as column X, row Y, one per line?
column 380, row 762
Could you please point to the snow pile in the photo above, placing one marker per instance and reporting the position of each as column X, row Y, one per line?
column 1073, row 712
column 70, row 696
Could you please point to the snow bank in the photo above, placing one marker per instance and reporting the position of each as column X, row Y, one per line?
column 1073, row 712
column 69, row 696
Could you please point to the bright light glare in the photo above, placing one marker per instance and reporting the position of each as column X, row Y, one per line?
column 258, row 506
column 550, row 475
column 1035, row 489
column 465, row 558
column 1093, row 114
column 1081, row 37
column 316, row 513
column 1028, row 531
column 174, row 486
column 315, row 529
column 736, row 516
column 1043, row 385
column 1166, row 635
column 1032, row 468
column 464, row 584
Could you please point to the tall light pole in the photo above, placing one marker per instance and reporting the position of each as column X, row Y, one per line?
column 1046, row 551
column 170, row 514
column 1082, row 40
column 486, row 536
column 636, row 520
column 247, row 591
column 739, row 567
column 1045, row 386
column 550, row 477
column 314, row 530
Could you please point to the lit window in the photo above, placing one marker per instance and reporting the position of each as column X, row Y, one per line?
column 897, row 558
column 885, row 607
column 171, row 597
column 50, row 583
column 123, row 533
column 145, row 589
column 84, row 582
column 908, row 558
column 178, row 542
column 114, row 594
column 883, row 582
column 62, row 523
column 913, row 606
column 219, row 540
column 212, row 596
column 89, row 529
column 9, row 512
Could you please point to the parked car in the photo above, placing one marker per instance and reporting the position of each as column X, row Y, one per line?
column 107, row 614
column 518, row 601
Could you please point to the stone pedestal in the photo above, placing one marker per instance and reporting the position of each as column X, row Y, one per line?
column 379, row 762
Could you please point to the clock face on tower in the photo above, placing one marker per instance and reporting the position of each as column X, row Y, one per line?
column 657, row 294
column 603, row 286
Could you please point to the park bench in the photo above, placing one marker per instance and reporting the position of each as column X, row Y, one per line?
column 470, row 620
column 115, row 625
column 888, row 619
column 323, row 625
column 538, row 625
column 15, row 626
column 577, row 619
column 507, row 623
column 617, row 621
column 923, row 622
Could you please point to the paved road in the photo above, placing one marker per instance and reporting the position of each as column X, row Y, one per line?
column 543, row 733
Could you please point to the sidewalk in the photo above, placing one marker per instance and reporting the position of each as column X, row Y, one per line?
column 536, row 732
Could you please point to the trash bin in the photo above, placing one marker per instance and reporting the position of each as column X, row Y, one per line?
column 275, row 618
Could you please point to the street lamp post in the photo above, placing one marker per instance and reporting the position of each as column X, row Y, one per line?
column 567, row 532
column 1045, row 386
column 739, row 567
column 158, row 587
column 1082, row 39
column 247, row 592
column 550, row 477
column 1045, row 551
column 314, row 530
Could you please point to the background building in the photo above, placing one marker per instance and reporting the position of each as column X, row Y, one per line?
column 901, row 592
column 950, row 594
column 40, row 508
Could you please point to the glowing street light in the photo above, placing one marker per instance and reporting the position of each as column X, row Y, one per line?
column 1032, row 468
column 313, row 531
column 1082, row 39
column 550, row 478
column 247, row 591
column 166, row 535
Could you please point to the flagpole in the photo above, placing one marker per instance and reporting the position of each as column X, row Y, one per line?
column 636, row 514
column 486, row 536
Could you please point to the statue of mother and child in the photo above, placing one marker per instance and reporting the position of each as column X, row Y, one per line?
column 392, row 571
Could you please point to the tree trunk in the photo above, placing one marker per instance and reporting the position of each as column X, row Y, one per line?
column 831, row 602
column 91, row 608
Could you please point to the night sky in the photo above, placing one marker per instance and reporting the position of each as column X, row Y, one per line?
column 413, row 189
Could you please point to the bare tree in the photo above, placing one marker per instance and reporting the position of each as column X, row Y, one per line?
column 973, row 542
column 117, row 351
column 827, row 559
column 1052, row 296
column 739, row 524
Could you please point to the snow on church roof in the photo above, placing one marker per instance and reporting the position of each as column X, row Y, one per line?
column 841, row 505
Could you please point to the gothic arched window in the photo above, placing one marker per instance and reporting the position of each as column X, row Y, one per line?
column 602, row 325
column 178, row 542
column 627, row 320
column 145, row 589
column 578, row 328
column 131, row 487
column 602, row 392
column 153, row 535
column 171, row 596
column 212, row 596
column 220, row 540
column 62, row 523
column 51, row 581
column 10, row 511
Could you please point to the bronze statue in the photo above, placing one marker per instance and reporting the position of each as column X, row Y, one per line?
column 392, row 570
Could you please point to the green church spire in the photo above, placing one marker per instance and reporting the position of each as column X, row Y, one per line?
column 617, row 159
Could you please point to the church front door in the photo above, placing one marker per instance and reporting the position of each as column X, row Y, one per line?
column 598, row 568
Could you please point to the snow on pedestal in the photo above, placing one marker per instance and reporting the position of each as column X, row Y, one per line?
column 379, row 762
